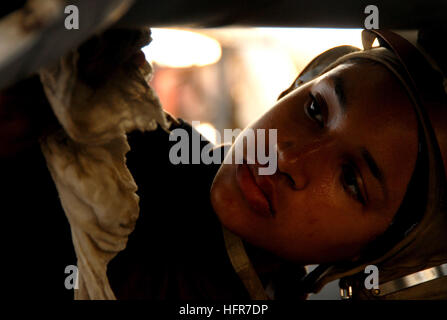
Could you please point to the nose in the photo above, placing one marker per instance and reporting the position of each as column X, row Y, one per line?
column 300, row 162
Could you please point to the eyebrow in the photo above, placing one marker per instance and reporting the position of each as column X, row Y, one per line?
column 373, row 167
column 339, row 91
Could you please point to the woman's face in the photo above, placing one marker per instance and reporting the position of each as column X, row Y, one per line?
column 346, row 149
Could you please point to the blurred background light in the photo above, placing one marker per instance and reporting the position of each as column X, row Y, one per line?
column 181, row 48
column 313, row 41
column 208, row 131
column 228, row 77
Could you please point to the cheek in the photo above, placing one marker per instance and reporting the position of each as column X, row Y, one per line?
column 227, row 201
column 221, row 191
column 317, row 227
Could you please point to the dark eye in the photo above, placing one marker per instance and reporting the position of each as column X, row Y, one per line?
column 350, row 183
column 314, row 111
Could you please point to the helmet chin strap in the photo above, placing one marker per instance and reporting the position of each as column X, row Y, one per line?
column 243, row 266
column 402, row 283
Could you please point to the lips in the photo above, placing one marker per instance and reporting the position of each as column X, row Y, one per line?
column 257, row 190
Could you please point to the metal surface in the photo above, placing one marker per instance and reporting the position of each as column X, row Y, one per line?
column 402, row 283
column 292, row 13
column 346, row 294
column 25, row 49
column 412, row 280
column 33, row 37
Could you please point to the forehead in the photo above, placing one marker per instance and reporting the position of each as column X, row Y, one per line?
column 372, row 93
